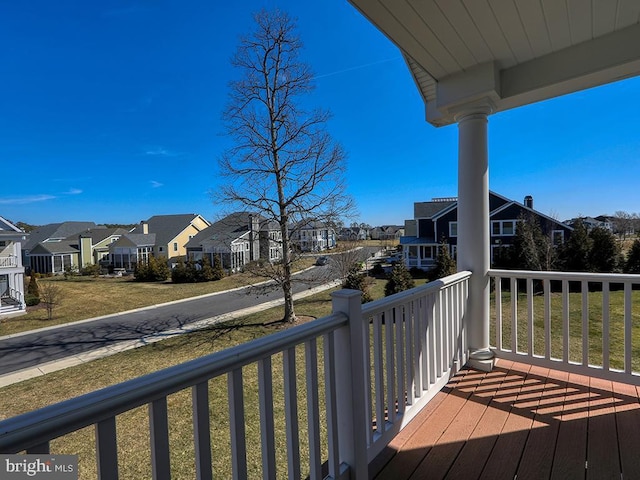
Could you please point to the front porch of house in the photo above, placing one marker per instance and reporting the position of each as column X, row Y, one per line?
column 564, row 382
column 520, row 421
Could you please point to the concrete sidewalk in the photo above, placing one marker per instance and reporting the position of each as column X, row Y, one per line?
column 73, row 360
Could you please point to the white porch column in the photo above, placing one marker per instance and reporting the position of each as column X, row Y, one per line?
column 473, row 228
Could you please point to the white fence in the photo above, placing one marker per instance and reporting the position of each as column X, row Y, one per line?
column 578, row 322
column 367, row 371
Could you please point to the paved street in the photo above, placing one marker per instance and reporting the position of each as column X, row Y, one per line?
column 33, row 349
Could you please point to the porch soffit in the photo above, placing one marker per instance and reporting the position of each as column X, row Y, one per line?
column 512, row 52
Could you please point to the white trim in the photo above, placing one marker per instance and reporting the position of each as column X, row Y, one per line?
column 501, row 223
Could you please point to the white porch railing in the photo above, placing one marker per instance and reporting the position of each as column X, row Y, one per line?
column 578, row 322
column 417, row 341
column 367, row 372
column 8, row 261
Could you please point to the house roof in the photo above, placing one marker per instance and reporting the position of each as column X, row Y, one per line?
column 509, row 53
column 57, row 231
column 167, row 227
column 98, row 234
column 409, row 240
column 137, row 239
column 431, row 209
column 55, row 248
column 225, row 230
column 7, row 226
column 10, row 232
column 311, row 225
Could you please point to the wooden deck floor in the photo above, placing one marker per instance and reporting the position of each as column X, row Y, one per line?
column 520, row 420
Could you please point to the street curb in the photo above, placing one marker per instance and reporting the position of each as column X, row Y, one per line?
column 74, row 360
column 140, row 309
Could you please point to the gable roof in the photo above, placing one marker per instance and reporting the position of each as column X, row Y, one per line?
column 167, row 227
column 54, row 248
column 7, row 226
column 57, row 231
column 98, row 234
column 535, row 212
column 432, row 208
column 225, row 230
column 135, row 240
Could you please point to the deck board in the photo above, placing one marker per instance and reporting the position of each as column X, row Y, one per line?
column 520, row 420
column 628, row 425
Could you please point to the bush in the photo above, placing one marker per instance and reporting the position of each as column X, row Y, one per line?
column 32, row 288
column 31, row 300
column 70, row 271
column 377, row 270
column 90, row 271
column 201, row 271
column 633, row 259
column 399, row 280
column 445, row 265
column 153, row 270
column 357, row 281
column 183, row 272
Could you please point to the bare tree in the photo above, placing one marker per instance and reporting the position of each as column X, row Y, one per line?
column 623, row 223
column 50, row 295
column 352, row 254
column 284, row 165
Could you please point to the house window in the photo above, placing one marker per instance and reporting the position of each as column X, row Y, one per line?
column 175, row 246
column 3, row 243
column 558, row 237
column 503, row 227
column 453, row 229
column 428, row 251
column 508, row 228
column 160, row 249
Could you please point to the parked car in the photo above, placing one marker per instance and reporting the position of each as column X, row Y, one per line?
column 395, row 258
column 322, row 261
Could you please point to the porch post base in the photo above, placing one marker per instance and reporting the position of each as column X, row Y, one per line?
column 482, row 360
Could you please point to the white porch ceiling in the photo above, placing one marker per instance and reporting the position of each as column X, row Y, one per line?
column 512, row 52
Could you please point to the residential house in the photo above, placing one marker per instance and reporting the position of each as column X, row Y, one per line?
column 237, row 239
column 437, row 220
column 160, row 236
column 607, row 222
column 11, row 270
column 387, row 232
column 590, row 222
column 353, row 234
column 89, row 247
column 314, row 236
column 46, row 250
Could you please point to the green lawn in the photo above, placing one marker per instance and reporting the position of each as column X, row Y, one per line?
column 133, row 426
column 595, row 316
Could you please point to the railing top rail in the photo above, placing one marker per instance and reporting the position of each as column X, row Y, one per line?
column 372, row 308
column 50, row 422
column 571, row 276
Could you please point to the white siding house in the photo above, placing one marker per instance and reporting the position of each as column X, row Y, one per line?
column 11, row 270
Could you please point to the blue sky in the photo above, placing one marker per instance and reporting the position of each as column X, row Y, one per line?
column 110, row 112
